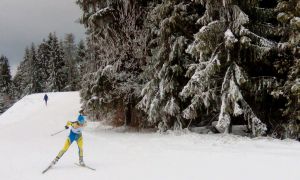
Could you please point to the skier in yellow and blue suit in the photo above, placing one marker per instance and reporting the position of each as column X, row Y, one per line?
column 75, row 135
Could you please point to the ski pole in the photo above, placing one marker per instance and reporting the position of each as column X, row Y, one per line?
column 58, row 132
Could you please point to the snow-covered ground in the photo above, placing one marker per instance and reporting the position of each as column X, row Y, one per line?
column 27, row 148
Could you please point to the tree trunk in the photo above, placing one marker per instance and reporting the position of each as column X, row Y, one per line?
column 128, row 114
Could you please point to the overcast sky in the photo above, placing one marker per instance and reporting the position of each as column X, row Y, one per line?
column 25, row 21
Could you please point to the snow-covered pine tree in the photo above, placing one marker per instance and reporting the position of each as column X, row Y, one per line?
column 288, row 64
column 69, row 58
column 117, row 42
column 36, row 72
column 235, row 48
column 57, row 70
column 81, row 52
column 22, row 77
column 6, row 95
column 172, row 23
column 81, row 58
column 30, row 74
column 244, row 52
column 5, row 75
column 43, row 57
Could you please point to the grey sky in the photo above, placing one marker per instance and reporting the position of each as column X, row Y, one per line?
column 25, row 21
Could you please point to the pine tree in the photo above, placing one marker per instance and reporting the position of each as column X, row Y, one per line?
column 57, row 70
column 36, row 72
column 117, row 44
column 69, row 57
column 81, row 52
column 30, row 76
column 6, row 98
column 81, row 58
column 90, row 8
column 171, row 23
column 22, row 77
column 43, row 57
column 288, row 64
column 236, row 48
column 233, row 61
column 5, row 75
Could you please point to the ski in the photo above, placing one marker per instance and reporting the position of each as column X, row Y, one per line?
column 85, row 166
column 49, row 167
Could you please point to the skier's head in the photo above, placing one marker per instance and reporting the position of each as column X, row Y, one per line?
column 80, row 119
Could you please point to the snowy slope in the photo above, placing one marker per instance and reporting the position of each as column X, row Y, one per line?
column 27, row 148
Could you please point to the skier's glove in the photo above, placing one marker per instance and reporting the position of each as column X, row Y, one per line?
column 67, row 127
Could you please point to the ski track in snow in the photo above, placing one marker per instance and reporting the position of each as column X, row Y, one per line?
column 27, row 149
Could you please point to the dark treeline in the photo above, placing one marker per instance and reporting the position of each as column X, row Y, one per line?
column 6, row 92
column 52, row 66
column 175, row 64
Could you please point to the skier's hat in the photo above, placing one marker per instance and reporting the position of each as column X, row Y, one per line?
column 80, row 119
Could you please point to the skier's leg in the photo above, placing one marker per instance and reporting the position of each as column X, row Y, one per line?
column 64, row 149
column 80, row 149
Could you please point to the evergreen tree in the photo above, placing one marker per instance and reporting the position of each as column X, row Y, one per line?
column 6, row 98
column 236, row 48
column 81, row 52
column 233, row 61
column 117, row 42
column 22, row 77
column 30, row 74
column 81, row 58
column 43, row 57
column 171, row 23
column 288, row 64
column 57, row 70
column 69, row 57
column 36, row 72
column 5, row 80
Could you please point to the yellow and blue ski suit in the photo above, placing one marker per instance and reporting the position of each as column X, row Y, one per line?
column 75, row 135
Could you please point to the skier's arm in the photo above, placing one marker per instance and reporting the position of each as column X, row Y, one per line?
column 69, row 123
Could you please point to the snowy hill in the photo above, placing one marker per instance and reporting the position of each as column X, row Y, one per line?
column 27, row 148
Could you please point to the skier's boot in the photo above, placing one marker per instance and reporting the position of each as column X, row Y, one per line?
column 81, row 162
column 55, row 161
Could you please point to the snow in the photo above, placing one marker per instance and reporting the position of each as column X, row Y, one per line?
column 228, row 34
column 27, row 148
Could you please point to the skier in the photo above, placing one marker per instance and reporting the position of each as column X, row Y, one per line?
column 46, row 98
column 75, row 135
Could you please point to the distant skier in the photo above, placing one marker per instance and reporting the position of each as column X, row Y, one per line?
column 75, row 135
column 46, row 99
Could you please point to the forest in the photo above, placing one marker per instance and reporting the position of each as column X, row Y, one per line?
column 174, row 64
